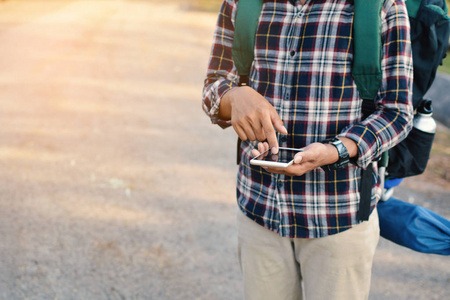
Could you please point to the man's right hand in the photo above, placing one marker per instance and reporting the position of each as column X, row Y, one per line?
column 252, row 116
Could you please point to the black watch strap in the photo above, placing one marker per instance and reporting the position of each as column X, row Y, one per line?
column 344, row 157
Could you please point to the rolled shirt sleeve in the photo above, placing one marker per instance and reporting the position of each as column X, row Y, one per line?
column 221, row 74
column 392, row 120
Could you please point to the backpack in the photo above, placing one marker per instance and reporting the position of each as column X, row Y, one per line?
column 430, row 30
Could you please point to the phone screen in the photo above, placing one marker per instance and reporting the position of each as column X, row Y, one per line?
column 284, row 155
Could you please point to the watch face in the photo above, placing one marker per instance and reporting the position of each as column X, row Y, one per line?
column 343, row 154
column 344, row 157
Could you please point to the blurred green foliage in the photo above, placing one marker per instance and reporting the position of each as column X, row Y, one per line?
column 446, row 63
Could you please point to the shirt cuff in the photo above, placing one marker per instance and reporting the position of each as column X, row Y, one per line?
column 369, row 147
column 220, row 88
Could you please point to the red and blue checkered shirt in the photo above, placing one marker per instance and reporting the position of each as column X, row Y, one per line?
column 302, row 66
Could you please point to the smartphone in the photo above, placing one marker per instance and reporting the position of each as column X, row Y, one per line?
column 283, row 159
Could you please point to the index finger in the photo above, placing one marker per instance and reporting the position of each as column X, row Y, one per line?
column 271, row 134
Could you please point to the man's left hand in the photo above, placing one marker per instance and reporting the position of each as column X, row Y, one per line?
column 313, row 156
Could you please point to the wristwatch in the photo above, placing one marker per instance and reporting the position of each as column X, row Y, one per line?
column 344, row 158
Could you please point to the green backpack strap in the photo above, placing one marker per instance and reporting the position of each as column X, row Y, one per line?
column 246, row 24
column 366, row 72
column 367, row 47
column 413, row 7
column 245, row 27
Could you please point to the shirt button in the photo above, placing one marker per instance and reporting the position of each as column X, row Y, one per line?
column 280, row 184
column 283, row 139
column 292, row 53
column 287, row 95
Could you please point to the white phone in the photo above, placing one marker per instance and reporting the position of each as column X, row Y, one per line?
column 283, row 159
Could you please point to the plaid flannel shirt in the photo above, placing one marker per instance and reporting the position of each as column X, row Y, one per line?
column 302, row 66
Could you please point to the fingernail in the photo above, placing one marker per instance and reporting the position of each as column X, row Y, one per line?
column 298, row 159
column 284, row 130
column 275, row 150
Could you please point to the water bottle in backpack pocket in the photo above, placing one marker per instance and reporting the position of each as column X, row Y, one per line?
column 411, row 156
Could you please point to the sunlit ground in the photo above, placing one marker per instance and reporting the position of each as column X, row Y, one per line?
column 115, row 185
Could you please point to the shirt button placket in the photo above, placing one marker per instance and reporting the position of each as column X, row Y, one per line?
column 287, row 95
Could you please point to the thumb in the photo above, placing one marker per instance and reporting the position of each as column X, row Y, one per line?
column 298, row 158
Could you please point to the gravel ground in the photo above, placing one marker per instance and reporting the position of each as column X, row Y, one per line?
column 115, row 185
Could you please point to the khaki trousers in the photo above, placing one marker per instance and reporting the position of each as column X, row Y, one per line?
column 331, row 268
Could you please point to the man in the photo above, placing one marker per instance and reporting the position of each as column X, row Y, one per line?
column 299, row 232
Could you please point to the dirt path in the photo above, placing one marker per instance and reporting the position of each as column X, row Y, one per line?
column 115, row 185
